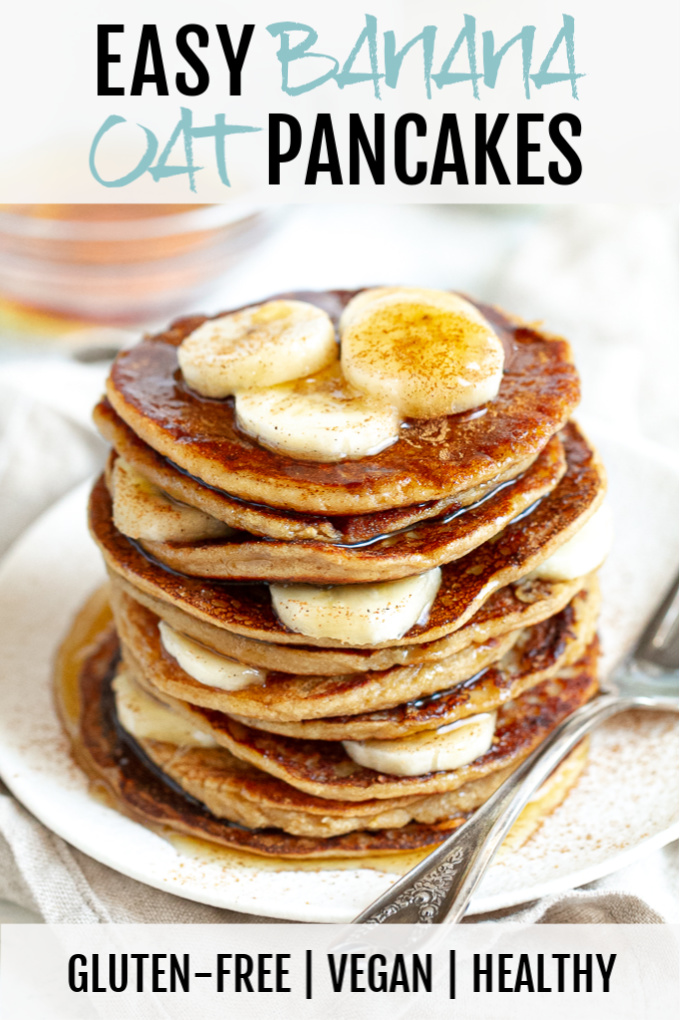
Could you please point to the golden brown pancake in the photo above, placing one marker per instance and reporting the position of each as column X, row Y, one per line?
column 486, row 496
column 421, row 547
column 232, row 789
column 268, row 522
column 287, row 698
column 467, row 583
column 538, row 654
column 146, row 794
column 221, row 782
column 373, row 704
column 433, row 459
column 140, row 790
column 521, row 604
column 322, row 767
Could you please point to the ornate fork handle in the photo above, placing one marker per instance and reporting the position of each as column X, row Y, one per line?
column 440, row 887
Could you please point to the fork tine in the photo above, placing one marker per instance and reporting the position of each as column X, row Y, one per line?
column 658, row 644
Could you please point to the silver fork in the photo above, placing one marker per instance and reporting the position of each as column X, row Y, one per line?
column 441, row 886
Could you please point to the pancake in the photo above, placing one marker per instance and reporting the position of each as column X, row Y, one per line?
column 268, row 522
column 256, row 800
column 421, row 547
column 140, row 790
column 521, row 604
column 284, row 697
column 323, row 768
column 283, row 701
column 538, row 654
column 252, row 798
column 466, row 583
column 148, row 795
column 485, row 497
column 234, row 790
column 431, row 460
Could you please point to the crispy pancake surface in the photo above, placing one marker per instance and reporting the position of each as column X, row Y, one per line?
column 322, row 827
column 538, row 654
column 268, row 522
column 322, row 767
column 433, row 459
column 286, row 698
column 148, row 795
column 233, row 790
column 466, row 583
column 372, row 704
column 516, row 605
column 422, row 546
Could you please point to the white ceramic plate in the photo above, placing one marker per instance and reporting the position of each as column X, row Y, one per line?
column 624, row 805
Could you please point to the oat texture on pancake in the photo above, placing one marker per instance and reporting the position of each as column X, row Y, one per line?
column 352, row 541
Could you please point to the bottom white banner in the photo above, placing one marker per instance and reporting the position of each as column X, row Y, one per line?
column 480, row 972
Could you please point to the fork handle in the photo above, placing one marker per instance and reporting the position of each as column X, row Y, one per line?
column 440, row 887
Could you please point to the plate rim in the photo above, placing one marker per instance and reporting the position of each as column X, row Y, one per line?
column 479, row 905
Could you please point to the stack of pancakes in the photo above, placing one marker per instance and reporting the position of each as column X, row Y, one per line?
column 483, row 499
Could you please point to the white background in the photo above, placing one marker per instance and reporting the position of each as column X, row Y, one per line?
column 50, row 112
column 641, row 985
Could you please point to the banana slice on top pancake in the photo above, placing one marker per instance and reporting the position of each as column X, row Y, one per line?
column 433, row 458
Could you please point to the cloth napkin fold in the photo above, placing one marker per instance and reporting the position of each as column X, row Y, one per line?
column 46, row 449
column 47, row 444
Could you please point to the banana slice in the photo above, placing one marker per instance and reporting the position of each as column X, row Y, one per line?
column 142, row 510
column 146, row 718
column 205, row 666
column 583, row 552
column 319, row 418
column 443, row 749
column 261, row 346
column 374, row 296
column 428, row 352
column 357, row 614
